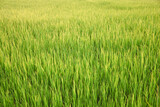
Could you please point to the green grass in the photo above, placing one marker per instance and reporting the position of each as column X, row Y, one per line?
column 80, row 53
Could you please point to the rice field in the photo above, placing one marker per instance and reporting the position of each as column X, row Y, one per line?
column 80, row 53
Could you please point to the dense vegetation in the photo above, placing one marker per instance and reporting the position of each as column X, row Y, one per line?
column 79, row 53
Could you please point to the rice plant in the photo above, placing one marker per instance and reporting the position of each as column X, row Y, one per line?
column 75, row 53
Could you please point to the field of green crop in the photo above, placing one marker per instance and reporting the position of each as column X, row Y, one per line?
column 74, row 53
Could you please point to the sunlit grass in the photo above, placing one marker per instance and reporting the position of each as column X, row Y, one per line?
column 79, row 53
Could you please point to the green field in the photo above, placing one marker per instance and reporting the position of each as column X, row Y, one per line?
column 74, row 53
